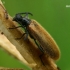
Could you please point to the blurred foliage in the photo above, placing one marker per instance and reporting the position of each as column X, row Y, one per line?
column 54, row 16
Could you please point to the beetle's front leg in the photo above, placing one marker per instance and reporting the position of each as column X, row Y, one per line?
column 26, row 32
column 15, row 27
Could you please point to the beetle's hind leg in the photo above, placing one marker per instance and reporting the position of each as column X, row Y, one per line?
column 39, row 46
column 41, row 58
column 41, row 49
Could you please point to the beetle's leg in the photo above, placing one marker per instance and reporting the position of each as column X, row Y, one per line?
column 20, row 37
column 26, row 32
column 39, row 46
column 15, row 27
column 41, row 58
column 41, row 49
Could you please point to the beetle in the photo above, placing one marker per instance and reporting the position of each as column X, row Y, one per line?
column 42, row 38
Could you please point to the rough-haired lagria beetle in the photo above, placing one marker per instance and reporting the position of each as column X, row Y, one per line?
column 42, row 38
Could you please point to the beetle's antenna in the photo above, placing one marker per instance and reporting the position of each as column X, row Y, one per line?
column 26, row 13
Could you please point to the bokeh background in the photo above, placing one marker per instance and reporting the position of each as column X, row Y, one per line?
column 54, row 16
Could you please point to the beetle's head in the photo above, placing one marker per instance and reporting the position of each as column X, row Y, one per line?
column 17, row 18
column 23, row 20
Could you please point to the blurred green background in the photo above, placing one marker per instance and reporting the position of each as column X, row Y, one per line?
column 54, row 16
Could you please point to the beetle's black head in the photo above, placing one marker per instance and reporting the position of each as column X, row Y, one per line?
column 22, row 20
column 17, row 18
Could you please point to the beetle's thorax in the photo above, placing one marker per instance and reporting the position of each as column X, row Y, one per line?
column 25, row 21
